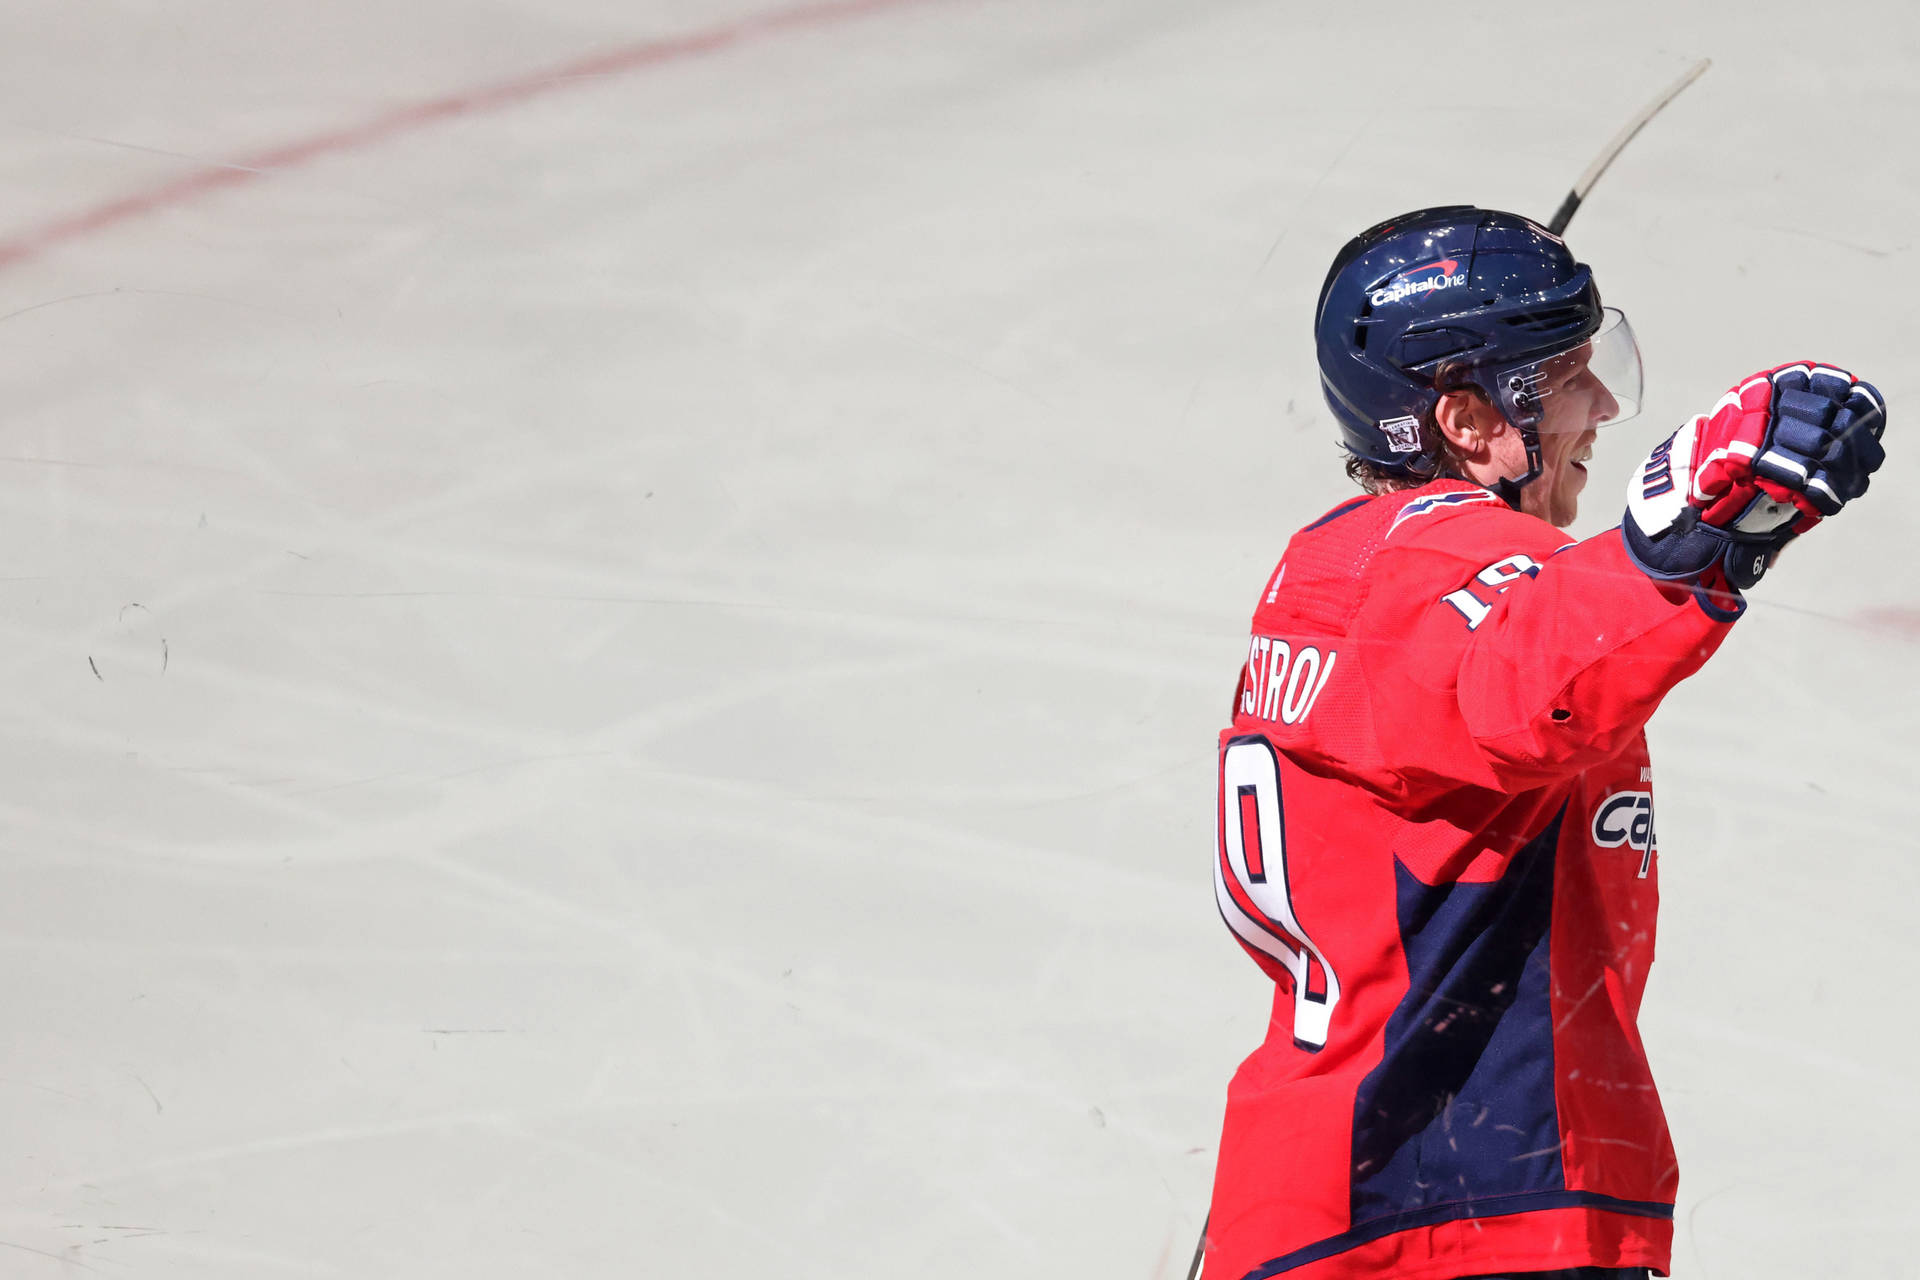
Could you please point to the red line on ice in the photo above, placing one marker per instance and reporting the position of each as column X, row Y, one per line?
column 29, row 243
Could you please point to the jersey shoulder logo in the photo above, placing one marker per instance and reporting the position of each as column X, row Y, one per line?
column 1441, row 502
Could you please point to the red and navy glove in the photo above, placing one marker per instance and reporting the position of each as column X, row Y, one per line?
column 1780, row 452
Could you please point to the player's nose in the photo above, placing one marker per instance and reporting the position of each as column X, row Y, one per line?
column 1605, row 407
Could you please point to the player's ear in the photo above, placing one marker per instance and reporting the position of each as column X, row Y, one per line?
column 1469, row 423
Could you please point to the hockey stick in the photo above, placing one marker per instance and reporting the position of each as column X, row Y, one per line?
column 1199, row 1247
column 1571, row 204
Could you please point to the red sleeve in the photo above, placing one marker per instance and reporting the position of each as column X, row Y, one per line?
column 1495, row 655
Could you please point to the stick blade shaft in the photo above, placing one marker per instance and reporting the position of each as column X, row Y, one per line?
column 1619, row 143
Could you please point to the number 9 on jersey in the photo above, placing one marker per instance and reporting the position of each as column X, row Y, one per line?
column 1250, row 884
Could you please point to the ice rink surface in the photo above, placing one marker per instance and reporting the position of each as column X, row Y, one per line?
column 616, row 676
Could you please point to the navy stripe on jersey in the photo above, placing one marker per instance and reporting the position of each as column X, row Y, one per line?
column 1432, row 502
column 1461, row 1105
column 1433, row 1215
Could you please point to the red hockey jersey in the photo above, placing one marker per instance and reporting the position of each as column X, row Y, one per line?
column 1436, row 835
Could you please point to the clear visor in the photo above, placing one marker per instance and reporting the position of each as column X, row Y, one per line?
column 1595, row 384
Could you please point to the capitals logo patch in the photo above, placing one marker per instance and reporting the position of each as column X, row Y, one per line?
column 1403, row 434
column 1626, row 818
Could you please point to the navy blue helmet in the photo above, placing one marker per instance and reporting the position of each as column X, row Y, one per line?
column 1453, row 297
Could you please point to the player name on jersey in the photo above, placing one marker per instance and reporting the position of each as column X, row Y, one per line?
column 1284, row 678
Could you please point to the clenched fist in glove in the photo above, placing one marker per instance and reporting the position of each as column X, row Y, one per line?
column 1780, row 452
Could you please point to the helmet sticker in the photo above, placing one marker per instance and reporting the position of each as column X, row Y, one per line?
column 1415, row 281
column 1403, row 434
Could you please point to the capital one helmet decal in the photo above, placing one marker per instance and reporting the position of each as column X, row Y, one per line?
column 1420, row 280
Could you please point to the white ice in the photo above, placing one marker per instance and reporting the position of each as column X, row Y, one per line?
column 624, row 685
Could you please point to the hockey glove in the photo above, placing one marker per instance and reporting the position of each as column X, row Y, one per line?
column 1780, row 452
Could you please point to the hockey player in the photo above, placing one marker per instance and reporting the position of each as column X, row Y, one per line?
column 1436, row 822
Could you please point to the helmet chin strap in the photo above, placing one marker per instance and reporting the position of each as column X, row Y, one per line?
column 1525, row 418
column 1509, row 487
